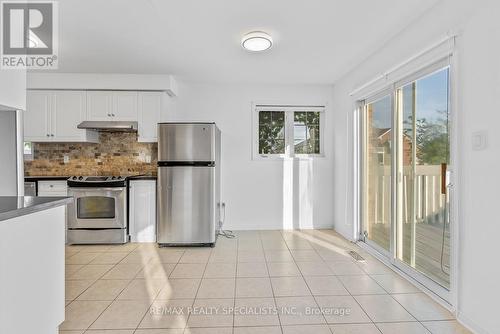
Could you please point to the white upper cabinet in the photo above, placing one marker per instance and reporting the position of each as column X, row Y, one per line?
column 111, row 106
column 55, row 115
column 99, row 105
column 150, row 106
column 124, row 106
column 68, row 110
column 37, row 116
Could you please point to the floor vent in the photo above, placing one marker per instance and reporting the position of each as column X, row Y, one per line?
column 356, row 256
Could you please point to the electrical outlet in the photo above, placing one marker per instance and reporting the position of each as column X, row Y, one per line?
column 148, row 159
column 66, row 159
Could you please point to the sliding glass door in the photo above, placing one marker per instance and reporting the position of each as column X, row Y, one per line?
column 378, row 173
column 424, row 240
column 406, row 156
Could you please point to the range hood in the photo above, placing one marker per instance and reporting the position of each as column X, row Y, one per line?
column 109, row 126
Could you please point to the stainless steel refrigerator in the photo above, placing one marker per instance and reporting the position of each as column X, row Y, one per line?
column 11, row 152
column 188, row 194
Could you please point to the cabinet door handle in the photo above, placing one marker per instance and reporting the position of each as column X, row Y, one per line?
column 113, row 115
column 48, row 135
column 52, row 135
column 109, row 115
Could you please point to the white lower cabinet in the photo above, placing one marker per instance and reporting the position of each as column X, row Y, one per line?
column 52, row 188
column 142, row 209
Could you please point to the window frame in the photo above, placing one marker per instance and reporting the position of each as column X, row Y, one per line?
column 289, row 111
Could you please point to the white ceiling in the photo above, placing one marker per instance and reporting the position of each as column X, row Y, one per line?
column 316, row 41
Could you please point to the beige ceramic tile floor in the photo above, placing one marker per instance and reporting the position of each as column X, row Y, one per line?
column 260, row 282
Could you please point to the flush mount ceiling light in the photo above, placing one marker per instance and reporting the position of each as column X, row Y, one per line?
column 256, row 41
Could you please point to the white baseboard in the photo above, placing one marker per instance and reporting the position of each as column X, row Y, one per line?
column 469, row 324
column 143, row 239
column 273, row 227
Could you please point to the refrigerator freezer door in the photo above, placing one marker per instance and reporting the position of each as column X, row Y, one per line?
column 186, row 205
column 186, row 142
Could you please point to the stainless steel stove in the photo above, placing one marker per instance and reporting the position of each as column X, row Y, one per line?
column 98, row 214
column 96, row 181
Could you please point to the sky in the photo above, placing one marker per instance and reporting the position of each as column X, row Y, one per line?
column 432, row 95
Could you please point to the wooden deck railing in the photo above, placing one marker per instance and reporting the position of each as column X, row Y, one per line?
column 422, row 191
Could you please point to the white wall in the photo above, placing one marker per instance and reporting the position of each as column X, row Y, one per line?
column 478, row 79
column 479, row 76
column 262, row 194
column 13, row 89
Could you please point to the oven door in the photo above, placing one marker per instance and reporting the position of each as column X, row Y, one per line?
column 97, row 208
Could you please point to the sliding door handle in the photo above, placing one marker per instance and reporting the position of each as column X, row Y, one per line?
column 443, row 178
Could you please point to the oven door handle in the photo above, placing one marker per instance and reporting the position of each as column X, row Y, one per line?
column 89, row 189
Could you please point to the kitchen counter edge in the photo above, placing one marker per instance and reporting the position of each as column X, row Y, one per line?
column 45, row 178
column 17, row 206
column 141, row 177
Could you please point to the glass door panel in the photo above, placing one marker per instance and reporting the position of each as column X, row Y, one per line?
column 378, row 152
column 95, row 207
column 423, row 234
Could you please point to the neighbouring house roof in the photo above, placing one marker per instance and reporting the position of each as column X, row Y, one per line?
column 380, row 132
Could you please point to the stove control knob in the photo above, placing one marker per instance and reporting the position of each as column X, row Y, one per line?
column 119, row 177
column 80, row 178
column 113, row 177
column 74, row 177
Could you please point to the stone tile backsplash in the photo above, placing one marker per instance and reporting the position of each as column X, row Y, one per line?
column 117, row 153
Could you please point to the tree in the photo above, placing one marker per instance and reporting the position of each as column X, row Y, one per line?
column 271, row 132
column 431, row 138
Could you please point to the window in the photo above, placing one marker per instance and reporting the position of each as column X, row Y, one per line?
column 288, row 131
column 28, row 151
column 271, row 132
column 306, row 132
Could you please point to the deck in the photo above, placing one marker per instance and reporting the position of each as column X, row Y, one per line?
column 428, row 248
